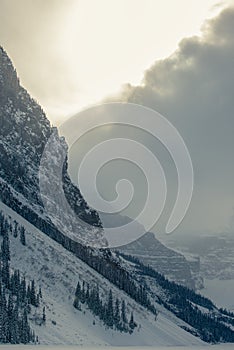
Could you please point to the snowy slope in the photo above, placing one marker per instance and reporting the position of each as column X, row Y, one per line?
column 203, row 347
column 56, row 270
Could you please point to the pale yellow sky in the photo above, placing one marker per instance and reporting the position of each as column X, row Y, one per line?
column 72, row 53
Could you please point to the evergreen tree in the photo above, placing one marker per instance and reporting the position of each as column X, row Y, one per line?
column 44, row 315
column 5, row 272
column 33, row 298
column 23, row 295
column 109, row 310
column 15, row 295
column 117, row 313
column 82, row 295
column 15, row 232
column 3, row 318
column 28, row 294
column 25, row 329
column 87, row 292
column 6, row 247
column 132, row 323
column 15, row 332
column 78, row 296
column 106, row 311
column 123, row 312
column 22, row 236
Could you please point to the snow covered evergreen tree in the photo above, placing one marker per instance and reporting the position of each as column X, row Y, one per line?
column 15, row 295
column 108, row 311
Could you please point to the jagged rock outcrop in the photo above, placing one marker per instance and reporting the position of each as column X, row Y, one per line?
column 150, row 251
column 24, row 132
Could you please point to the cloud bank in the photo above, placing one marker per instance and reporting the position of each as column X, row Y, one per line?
column 194, row 89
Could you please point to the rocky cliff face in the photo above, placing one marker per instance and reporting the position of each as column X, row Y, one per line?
column 168, row 262
column 24, row 132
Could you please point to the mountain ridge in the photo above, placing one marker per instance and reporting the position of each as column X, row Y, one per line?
column 24, row 132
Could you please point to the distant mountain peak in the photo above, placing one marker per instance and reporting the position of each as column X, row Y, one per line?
column 8, row 75
column 149, row 250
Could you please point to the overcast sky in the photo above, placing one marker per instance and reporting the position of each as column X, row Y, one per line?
column 194, row 88
column 71, row 53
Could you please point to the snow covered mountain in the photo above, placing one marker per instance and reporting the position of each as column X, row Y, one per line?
column 165, row 313
column 57, row 271
column 152, row 252
column 24, row 131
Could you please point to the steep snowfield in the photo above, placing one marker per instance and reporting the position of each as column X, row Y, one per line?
column 57, row 271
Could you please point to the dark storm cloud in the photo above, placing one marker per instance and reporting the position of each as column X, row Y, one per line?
column 194, row 89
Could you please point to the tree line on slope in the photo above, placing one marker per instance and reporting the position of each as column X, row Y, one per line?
column 112, row 313
column 225, row 316
column 185, row 303
column 16, row 296
column 101, row 260
column 13, row 227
